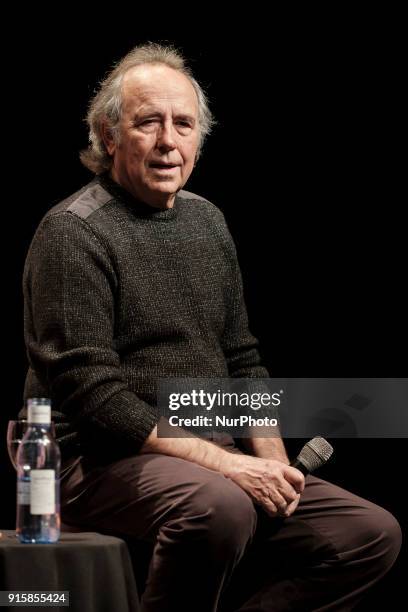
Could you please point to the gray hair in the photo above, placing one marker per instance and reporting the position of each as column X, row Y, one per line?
column 106, row 105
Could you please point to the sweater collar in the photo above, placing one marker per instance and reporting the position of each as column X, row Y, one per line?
column 143, row 209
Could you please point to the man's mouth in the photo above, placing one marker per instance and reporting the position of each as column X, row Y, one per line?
column 163, row 166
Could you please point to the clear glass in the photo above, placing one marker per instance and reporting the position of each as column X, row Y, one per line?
column 15, row 433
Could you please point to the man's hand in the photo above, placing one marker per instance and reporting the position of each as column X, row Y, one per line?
column 270, row 483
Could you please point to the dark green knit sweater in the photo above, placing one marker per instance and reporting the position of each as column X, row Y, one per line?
column 118, row 294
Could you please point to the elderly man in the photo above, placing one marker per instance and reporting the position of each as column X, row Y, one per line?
column 133, row 279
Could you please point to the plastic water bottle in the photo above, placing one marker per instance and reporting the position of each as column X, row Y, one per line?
column 38, row 486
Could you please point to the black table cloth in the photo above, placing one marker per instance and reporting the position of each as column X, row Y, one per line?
column 94, row 568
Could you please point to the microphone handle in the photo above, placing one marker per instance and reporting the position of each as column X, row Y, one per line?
column 299, row 466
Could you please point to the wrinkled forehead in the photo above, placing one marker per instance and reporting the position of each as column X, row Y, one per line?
column 152, row 84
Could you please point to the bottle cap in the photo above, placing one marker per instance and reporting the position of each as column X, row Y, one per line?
column 39, row 410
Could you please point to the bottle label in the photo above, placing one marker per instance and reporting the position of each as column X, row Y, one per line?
column 39, row 413
column 42, row 498
column 23, row 492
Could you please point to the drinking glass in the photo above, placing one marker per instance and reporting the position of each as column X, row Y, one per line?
column 15, row 434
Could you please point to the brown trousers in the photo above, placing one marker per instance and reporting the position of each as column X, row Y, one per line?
column 213, row 549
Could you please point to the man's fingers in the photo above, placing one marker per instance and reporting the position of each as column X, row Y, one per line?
column 283, row 509
column 295, row 477
column 292, row 506
column 269, row 506
column 280, row 502
column 288, row 492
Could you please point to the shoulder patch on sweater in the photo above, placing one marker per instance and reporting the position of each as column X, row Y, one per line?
column 89, row 201
column 188, row 195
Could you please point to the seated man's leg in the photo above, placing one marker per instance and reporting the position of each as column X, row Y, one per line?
column 199, row 521
column 323, row 558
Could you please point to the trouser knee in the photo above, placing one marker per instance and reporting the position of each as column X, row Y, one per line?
column 381, row 538
column 230, row 517
column 390, row 540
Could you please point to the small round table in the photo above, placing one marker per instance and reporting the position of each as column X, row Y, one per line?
column 94, row 568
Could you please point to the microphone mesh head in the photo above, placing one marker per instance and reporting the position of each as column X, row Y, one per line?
column 315, row 453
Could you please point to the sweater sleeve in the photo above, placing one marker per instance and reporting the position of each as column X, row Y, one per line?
column 239, row 345
column 69, row 308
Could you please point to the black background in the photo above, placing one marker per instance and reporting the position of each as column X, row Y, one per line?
column 305, row 162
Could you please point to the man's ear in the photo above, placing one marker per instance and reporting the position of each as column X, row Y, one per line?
column 107, row 138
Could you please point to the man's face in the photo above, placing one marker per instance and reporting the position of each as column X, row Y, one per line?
column 159, row 134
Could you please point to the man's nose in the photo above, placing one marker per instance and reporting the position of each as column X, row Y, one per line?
column 165, row 138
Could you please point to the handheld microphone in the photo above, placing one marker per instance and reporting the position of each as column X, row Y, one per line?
column 314, row 454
